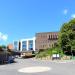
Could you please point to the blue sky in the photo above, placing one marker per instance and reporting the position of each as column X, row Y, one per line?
column 23, row 18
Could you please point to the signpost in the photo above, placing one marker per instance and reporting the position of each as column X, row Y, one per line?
column 55, row 56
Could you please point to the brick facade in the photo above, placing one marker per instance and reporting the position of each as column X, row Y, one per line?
column 46, row 40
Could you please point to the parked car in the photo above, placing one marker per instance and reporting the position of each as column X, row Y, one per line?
column 11, row 59
column 5, row 57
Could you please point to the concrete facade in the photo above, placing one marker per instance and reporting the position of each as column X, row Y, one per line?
column 25, row 44
column 28, row 44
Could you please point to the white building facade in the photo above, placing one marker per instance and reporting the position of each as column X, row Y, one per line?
column 25, row 44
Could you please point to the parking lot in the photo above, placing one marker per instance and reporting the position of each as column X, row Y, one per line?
column 38, row 67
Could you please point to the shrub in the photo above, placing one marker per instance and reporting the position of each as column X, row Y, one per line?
column 49, row 52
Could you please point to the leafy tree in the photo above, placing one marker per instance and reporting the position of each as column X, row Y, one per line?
column 3, row 46
column 67, row 36
column 1, row 49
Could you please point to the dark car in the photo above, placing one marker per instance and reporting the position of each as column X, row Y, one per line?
column 6, row 58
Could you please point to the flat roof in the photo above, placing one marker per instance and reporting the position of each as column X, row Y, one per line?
column 46, row 32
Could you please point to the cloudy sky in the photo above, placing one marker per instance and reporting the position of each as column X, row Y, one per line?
column 23, row 18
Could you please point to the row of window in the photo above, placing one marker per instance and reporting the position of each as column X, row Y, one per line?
column 45, row 36
column 44, row 42
column 30, row 42
column 46, row 46
column 52, row 37
column 24, row 45
column 30, row 45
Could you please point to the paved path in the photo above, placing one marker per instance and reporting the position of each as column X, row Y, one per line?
column 56, row 68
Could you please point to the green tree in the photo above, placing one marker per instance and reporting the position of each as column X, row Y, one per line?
column 67, row 36
column 3, row 46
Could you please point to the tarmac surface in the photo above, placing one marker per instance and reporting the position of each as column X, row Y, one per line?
column 38, row 67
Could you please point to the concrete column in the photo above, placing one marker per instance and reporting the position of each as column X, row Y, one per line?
column 34, row 44
column 27, row 45
column 17, row 45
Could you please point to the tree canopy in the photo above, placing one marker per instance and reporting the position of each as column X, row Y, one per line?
column 67, row 36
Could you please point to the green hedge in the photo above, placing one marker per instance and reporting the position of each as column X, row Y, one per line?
column 49, row 52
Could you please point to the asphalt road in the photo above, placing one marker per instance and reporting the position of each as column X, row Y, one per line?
column 56, row 68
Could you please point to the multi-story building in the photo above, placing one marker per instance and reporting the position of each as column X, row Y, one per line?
column 42, row 41
column 46, row 40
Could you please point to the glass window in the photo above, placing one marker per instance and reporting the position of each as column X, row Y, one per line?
column 15, row 45
column 49, row 37
column 31, row 45
column 24, row 46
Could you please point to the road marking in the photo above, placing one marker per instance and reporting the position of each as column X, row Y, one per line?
column 34, row 69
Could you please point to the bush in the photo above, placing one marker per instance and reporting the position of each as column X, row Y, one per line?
column 49, row 52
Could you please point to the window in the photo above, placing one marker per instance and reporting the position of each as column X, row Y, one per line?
column 49, row 37
column 24, row 46
column 31, row 45
column 15, row 45
column 55, row 36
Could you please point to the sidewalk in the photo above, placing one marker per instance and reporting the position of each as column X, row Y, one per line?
column 57, row 61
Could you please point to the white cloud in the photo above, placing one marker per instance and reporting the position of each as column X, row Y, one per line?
column 3, row 37
column 65, row 11
column 73, row 15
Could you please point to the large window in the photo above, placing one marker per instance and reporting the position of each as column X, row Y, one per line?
column 24, row 46
column 31, row 45
column 15, row 45
column 49, row 37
